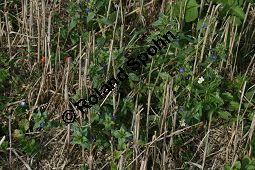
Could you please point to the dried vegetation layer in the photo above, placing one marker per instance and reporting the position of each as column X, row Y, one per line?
column 29, row 29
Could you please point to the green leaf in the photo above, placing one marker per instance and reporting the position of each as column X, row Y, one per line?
column 250, row 94
column 105, row 21
column 77, row 95
column 240, row 2
column 176, row 9
column 236, row 20
column 216, row 99
column 3, row 75
column 238, row 164
column 72, row 24
column 94, row 116
column 17, row 134
column 133, row 77
column 85, row 167
column 79, row 137
column 234, row 106
column 108, row 122
column 191, row 11
column 250, row 167
column 24, row 125
column 4, row 145
column 227, row 167
column 29, row 146
column 91, row 15
column 238, row 11
column 227, row 96
column 114, row 166
column 231, row 2
column 224, row 114
column 245, row 161
column 164, row 75
column 200, row 23
column 74, row 37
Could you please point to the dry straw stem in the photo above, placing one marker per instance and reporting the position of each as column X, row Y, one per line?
column 162, row 137
column 20, row 158
column 2, row 140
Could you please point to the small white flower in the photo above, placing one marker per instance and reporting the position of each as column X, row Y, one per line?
column 200, row 80
column 182, row 123
column 116, row 5
column 22, row 103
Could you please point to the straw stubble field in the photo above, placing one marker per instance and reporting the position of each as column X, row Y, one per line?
column 191, row 107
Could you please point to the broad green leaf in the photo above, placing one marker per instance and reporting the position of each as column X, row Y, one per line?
column 113, row 166
column 176, row 9
column 94, row 117
column 238, row 11
column 72, row 24
column 224, row 114
column 191, row 11
column 77, row 95
column 238, row 164
column 164, row 75
column 231, row 2
column 235, row 20
column 234, row 106
column 74, row 37
column 227, row 167
column 240, row 2
column 133, row 77
column 3, row 75
column 245, row 161
column 24, row 125
column 250, row 167
column 105, row 21
column 227, row 96
column 176, row 87
column 217, row 99
column 250, row 95
column 17, row 134
column 201, row 24
column 91, row 15
column 4, row 145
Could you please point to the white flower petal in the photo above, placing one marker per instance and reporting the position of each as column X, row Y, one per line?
column 22, row 103
column 200, row 80
column 182, row 123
